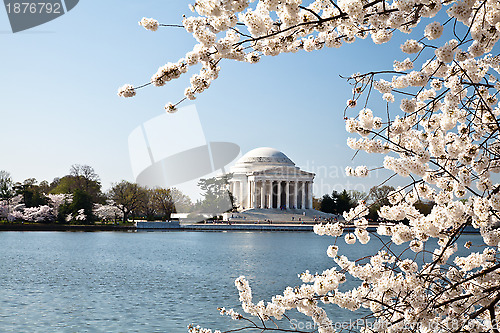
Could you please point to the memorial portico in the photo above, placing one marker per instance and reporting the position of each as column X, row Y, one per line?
column 267, row 178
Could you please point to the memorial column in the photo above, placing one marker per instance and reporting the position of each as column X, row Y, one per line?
column 262, row 194
column 295, row 194
column 287, row 193
column 303, row 191
column 310, row 195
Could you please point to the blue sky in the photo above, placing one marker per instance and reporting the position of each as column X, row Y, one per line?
column 59, row 105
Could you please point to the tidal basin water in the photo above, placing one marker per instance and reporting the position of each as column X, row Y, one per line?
column 150, row 282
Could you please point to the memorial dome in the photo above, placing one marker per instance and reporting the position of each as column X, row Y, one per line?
column 263, row 157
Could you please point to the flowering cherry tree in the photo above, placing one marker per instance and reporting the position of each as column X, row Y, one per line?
column 56, row 200
column 8, row 207
column 4, row 210
column 33, row 214
column 39, row 214
column 107, row 212
column 80, row 216
column 14, row 209
column 440, row 130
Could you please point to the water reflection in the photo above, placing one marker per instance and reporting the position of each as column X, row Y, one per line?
column 154, row 282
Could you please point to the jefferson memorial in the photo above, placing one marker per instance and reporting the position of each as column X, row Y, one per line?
column 265, row 178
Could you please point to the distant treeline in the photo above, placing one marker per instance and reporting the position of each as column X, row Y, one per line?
column 339, row 202
column 78, row 198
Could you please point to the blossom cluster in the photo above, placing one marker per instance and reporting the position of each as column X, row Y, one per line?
column 15, row 210
column 126, row 90
column 237, row 30
column 107, row 212
column 149, row 24
column 81, row 216
column 198, row 329
column 33, row 214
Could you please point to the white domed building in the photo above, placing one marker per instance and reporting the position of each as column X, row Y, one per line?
column 265, row 178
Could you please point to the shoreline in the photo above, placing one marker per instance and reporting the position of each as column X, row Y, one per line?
column 166, row 227
column 155, row 227
column 64, row 227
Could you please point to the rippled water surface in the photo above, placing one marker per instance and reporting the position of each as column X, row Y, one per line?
column 147, row 282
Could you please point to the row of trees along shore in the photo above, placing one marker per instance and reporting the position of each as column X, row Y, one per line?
column 78, row 198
